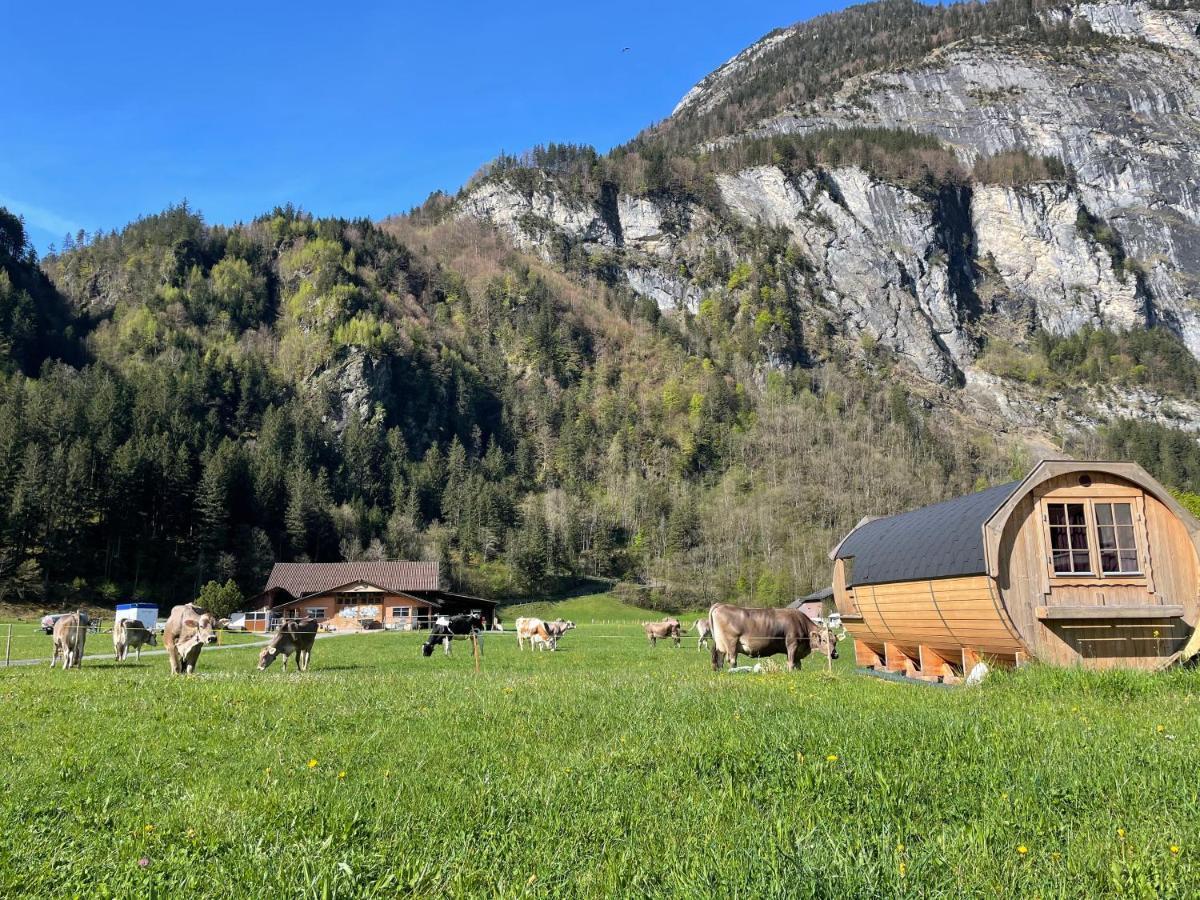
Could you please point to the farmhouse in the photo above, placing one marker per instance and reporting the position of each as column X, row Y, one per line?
column 1088, row 563
column 405, row 595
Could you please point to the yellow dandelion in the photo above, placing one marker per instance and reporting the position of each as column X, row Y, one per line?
column 1174, row 848
column 1120, row 832
column 899, row 847
column 341, row 775
column 148, row 829
column 312, row 763
column 832, row 757
column 1160, row 728
column 903, row 869
column 1022, row 849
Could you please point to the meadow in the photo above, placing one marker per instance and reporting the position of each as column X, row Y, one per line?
column 605, row 769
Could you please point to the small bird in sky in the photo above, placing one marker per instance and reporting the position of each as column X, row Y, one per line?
column 626, row 50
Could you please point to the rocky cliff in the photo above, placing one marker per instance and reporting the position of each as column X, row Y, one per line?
column 1115, row 243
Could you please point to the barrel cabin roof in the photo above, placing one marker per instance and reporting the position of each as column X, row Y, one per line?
column 939, row 541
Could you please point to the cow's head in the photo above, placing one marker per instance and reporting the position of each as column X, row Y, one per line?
column 204, row 628
column 824, row 641
column 266, row 657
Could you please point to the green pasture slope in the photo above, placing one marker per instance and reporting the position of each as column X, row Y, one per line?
column 604, row 770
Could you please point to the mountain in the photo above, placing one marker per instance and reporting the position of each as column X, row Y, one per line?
column 875, row 260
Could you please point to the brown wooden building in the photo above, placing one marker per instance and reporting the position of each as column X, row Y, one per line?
column 1090, row 563
column 348, row 596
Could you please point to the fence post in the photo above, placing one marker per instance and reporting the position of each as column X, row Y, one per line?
column 8, row 646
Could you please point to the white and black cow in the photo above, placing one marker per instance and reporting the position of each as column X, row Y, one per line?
column 447, row 628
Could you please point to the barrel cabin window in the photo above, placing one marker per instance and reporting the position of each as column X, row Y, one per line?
column 1069, row 552
column 1093, row 538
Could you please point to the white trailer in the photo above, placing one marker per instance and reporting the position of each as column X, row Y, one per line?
column 146, row 613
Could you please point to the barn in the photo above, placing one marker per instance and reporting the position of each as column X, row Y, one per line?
column 1078, row 563
column 349, row 595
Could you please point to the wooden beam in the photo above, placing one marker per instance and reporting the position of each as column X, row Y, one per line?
column 1063, row 613
column 897, row 660
column 866, row 656
column 935, row 664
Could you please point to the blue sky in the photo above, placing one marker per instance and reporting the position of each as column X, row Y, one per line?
column 114, row 110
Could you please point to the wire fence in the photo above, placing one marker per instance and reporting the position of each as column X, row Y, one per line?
column 633, row 631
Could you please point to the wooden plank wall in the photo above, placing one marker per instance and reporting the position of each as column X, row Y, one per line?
column 1025, row 583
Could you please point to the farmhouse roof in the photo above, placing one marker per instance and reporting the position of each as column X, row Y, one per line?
column 939, row 541
column 301, row 579
column 815, row 597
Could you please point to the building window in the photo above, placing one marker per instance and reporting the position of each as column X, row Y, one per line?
column 1096, row 538
column 401, row 612
column 1068, row 538
column 315, row 612
column 1115, row 538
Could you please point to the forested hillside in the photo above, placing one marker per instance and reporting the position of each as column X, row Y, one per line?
column 688, row 365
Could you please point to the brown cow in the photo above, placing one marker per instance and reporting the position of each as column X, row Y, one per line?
column 294, row 637
column 70, row 634
column 129, row 633
column 703, row 633
column 189, row 628
column 536, row 632
column 667, row 628
column 765, row 632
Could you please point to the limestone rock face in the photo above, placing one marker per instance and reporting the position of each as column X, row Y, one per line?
column 355, row 382
column 1125, row 116
column 1115, row 244
column 877, row 254
column 1031, row 236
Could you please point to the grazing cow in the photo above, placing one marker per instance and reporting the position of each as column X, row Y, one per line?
column 448, row 627
column 131, row 634
column 557, row 629
column 70, row 634
column 765, row 632
column 536, row 632
column 189, row 628
column 703, row 634
column 293, row 637
column 667, row 628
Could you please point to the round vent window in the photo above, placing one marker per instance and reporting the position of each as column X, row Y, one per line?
column 1085, row 480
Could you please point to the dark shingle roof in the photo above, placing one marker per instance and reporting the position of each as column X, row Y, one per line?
column 815, row 597
column 300, row 579
column 939, row 541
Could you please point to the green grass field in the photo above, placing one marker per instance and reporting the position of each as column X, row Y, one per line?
column 605, row 769
column 593, row 608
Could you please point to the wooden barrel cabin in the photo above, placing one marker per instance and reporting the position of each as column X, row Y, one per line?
column 1079, row 563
